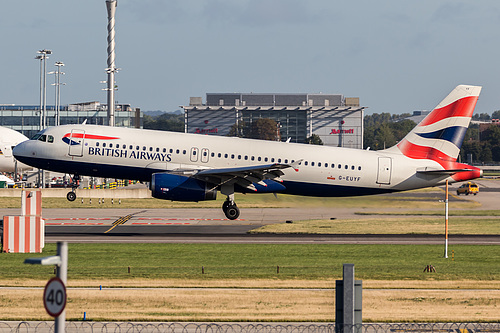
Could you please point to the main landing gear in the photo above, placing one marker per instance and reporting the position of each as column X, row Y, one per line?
column 230, row 209
column 71, row 196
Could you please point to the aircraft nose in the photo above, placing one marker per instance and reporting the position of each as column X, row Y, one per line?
column 20, row 150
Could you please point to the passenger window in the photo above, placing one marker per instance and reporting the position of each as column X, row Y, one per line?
column 232, row 156
column 143, row 147
column 171, row 151
column 205, row 153
column 157, row 149
column 177, row 151
column 184, row 152
column 104, row 144
column 97, row 144
column 164, row 150
column 319, row 164
column 246, row 157
column 340, row 166
column 239, row 157
column 326, row 165
column 359, row 168
column 346, row 167
column 212, row 154
column 265, row 159
column 226, row 155
column 286, row 161
column 253, row 158
column 259, row 158
column 306, row 163
column 136, row 147
column 150, row 148
column 279, row 160
column 272, row 159
column 124, row 146
column 130, row 147
column 352, row 167
column 312, row 163
column 110, row 145
column 219, row 155
column 194, row 152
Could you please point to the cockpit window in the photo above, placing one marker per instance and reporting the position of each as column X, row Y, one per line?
column 36, row 136
column 42, row 138
column 50, row 139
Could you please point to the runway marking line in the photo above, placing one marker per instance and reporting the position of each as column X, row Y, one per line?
column 159, row 223
column 122, row 220
column 74, row 223
column 78, row 219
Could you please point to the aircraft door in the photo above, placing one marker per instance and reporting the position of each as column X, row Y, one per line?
column 194, row 154
column 76, row 142
column 204, row 155
column 384, row 170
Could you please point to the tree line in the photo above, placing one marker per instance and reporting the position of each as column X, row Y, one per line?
column 381, row 130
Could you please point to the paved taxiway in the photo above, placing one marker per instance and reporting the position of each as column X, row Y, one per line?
column 210, row 226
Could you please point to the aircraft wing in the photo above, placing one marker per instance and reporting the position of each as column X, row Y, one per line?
column 247, row 177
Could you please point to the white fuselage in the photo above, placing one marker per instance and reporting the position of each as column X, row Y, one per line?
column 136, row 154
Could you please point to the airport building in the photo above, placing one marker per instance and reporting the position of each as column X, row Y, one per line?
column 26, row 118
column 336, row 119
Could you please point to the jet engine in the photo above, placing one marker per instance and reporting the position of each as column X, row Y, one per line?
column 181, row 188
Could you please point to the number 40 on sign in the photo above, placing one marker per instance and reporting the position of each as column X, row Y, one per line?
column 54, row 297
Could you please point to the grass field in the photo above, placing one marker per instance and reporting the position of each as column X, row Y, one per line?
column 241, row 282
column 464, row 289
column 249, row 261
column 388, row 225
column 261, row 201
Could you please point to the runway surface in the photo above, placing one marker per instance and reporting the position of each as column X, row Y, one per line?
column 209, row 225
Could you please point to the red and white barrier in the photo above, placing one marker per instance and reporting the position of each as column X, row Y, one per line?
column 31, row 202
column 23, row 234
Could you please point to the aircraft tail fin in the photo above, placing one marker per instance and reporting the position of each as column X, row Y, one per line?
column 440, row 135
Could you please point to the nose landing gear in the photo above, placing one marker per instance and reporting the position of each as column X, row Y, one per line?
column 71, row 196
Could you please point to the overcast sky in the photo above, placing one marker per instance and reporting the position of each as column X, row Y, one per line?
column 397, row 56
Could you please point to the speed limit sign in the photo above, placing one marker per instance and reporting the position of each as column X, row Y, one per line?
column 54, row 297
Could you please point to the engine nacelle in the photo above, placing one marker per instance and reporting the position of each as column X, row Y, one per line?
column 180, row 188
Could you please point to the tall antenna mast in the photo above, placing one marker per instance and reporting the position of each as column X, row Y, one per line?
column 111, row 6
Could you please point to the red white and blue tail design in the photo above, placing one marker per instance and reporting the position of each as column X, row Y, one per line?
column 440, row 135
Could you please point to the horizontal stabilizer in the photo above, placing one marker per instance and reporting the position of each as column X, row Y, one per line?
column 443, row 172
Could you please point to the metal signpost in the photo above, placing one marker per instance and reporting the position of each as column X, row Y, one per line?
column 54, row 295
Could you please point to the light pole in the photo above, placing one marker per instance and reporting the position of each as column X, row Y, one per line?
column 57, row 84
column 42, row 56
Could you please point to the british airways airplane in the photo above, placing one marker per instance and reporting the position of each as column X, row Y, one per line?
column 193, row 167
column 8, row 139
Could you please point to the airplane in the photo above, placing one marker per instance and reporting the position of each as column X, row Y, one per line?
column 191, row 167
column 8, row 139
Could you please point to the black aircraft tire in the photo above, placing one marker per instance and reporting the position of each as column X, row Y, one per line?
column 225, row 205
column 232, row 212
column 71, row 196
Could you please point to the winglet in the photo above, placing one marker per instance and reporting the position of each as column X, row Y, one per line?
column 295, row 165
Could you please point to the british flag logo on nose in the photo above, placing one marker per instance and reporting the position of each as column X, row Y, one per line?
column 69, row 138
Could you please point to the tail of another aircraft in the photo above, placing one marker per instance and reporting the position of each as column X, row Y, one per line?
column 440, row 135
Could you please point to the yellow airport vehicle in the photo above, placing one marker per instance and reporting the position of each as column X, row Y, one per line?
column 468, row 188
